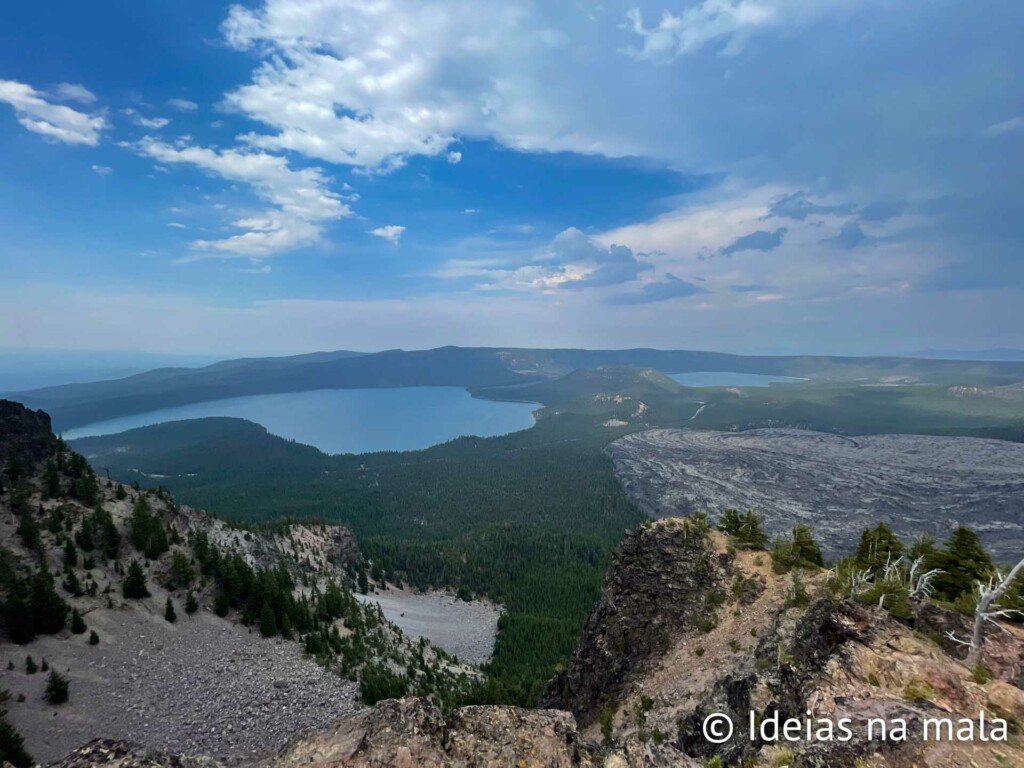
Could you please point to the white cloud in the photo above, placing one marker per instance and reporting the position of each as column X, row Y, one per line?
column 688, row 242
column 391, row 233
column 729, row 23
column 471, row 210
column 370, row 84
column 454, row 157
column 1013, row 125
column 73, row 92
column 302, row 202
column 572, row 260
column 53, row 121
column 102, row 170
column 176, row 225
column 182, row 105
column 146, row 122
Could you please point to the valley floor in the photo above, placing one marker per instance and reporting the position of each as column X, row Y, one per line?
column 199, row 686
column 840, row 485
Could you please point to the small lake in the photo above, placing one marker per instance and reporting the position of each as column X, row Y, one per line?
column 349, row 420
column 730, row 379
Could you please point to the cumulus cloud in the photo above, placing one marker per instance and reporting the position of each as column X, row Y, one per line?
column 182, row 105
column 302, row 202
column 392, row 233
column 761, row 240
column 662, row 290
column 371, row 84
column 571, row 261
column 587, row 263
column 56, row 122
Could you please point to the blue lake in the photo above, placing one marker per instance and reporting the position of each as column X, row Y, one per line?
column 350, row 420
column 730, row 379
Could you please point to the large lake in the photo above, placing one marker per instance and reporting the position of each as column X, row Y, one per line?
column 350, row 420
column 730, row 379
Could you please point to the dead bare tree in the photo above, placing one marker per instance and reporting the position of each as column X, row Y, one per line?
column 988, row 611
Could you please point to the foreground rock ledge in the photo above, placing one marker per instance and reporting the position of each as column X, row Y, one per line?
column 406, row 733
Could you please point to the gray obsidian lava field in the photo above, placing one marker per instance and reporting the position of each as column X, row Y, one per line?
column 840, row 485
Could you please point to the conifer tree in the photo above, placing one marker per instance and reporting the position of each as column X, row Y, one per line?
column 191, row 604
column 17, row 613
column 49, row 611
column 169, row 613
column 56, row 688
column 878, row 547
column 268, row 622
column 70, row 554
column 77, row 622
column 963, row 561
column 12, row 745
column 134, row 585
column 30, row 666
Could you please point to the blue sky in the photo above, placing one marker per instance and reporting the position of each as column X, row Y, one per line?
column 281, row 176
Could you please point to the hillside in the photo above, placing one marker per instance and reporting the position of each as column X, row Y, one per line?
column 175, row 629
column 78, row 404
column 688, row 625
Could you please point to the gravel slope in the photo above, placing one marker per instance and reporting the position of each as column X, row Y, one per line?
column 200, row 686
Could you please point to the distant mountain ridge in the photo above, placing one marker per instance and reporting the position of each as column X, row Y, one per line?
column 471, row 367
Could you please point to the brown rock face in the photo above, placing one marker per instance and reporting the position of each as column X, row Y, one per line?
column 24, row 434
column 665, row 577
column 412, row 733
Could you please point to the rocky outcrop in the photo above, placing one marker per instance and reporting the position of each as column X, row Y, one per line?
column 121, row 754
column 413, row 733
column 665, row 578
column 24, row 434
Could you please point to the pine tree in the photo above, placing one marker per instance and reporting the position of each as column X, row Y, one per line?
column 30, row 666
column 70, row 554
column 12, row 745
column 181, row 570
column 134, row 585
column 878, row 546
column 191, row 604
column 268, row 622
column 169, row 613
column 221, row 604
column 17, row 613
column 963, row 561
column 805, row 547
column 49, row 611
column 94, row 639
column 56, row 688
column 730, row 521
column 77, row 622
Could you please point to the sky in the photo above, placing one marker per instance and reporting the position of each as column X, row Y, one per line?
column 284, row 176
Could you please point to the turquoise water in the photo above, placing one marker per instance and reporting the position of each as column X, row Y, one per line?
column 730, row 379
column 350, row 420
